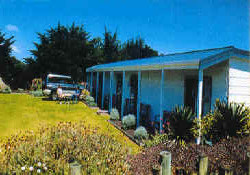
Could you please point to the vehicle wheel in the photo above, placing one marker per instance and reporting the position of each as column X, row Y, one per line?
column 54, row 96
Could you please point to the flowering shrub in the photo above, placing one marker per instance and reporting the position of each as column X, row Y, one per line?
column 85, row 93
column 228, row 120
column 114, row 115
column 51, row 149
column 36, row 84
column 156, row 140
column 141, row 133
column 128, row 121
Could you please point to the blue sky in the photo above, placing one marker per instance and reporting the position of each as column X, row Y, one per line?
column 166, row 25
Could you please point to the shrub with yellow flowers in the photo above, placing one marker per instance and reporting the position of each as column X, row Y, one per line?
column 51, row 149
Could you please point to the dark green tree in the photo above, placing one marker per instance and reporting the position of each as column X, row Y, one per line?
column 64, row 50
column 11, row 69
column 136, row 49
column 111, row 47
column 6, row 61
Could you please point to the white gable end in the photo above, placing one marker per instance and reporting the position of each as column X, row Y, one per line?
column 239, row 81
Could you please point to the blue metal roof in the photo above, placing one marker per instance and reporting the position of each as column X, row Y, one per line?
column 189, row 60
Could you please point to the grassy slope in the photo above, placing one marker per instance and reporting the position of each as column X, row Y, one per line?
column 22, row 112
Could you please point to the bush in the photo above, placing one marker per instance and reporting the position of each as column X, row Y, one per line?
column 181, row 123
column 92, row 104
column 85, row 92
column 114, row 115
column 128, row 121
column 47, row 92
column 51, row 149
column 6, row 90
column 36, row 84
column 90, row 101
column 156, row 140
column 20, row 90
column 228, row 120
column 141, row 133
column 38, row 93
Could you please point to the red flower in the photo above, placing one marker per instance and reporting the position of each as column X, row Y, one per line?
column 168, row 123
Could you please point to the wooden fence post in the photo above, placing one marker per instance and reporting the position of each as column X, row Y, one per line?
column 248, row 155
column 203, row 164
column 75, row 168
column 166, row 163
column 229, row 171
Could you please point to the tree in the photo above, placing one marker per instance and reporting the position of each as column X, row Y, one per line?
column 64, row 50
column 6, row 62
column 111, row 47
column 11, row 69
column 136, row 49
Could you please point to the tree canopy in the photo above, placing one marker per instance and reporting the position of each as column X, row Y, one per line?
column 67, row 50
column 64, row 50
column 10, row 67
column 70, row 50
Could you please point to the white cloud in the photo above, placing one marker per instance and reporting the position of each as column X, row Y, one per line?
column 11, row 27
column 15, row 49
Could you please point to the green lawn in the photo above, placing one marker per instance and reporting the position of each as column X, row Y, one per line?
column 25, row 112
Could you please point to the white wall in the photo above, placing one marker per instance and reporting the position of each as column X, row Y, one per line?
column 174, row 86
column 239, row 81
column 219, row 74
column 173, row 90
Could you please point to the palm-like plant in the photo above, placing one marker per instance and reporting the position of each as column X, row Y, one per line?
column 229, row 119
column 181, row 122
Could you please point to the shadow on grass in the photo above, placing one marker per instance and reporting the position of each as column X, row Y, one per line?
column 46, row 99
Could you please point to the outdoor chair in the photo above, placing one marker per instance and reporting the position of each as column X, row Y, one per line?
column 145, row 114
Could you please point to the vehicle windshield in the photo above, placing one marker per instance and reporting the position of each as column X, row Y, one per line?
column 60, row 80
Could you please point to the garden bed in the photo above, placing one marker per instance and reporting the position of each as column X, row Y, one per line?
column 129, row 132
column 230, row 153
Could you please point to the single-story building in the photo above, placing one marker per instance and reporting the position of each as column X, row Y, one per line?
column 158, row 84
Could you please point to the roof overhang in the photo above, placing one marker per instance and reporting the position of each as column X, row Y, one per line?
column 215, row 59
column 194, row 63
column 169, row 66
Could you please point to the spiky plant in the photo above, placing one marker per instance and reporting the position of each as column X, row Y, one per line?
column 229, row 119
column 181, row 123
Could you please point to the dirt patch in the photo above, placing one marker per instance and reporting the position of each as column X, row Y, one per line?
column 231, row 153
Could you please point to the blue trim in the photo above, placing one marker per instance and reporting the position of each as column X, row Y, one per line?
column 111, row 91
column 103, row 86
column 123, row 93
column 138, row 98
column 97, row 88
column 87, row 81
column 161, row 100
column 91, row 84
